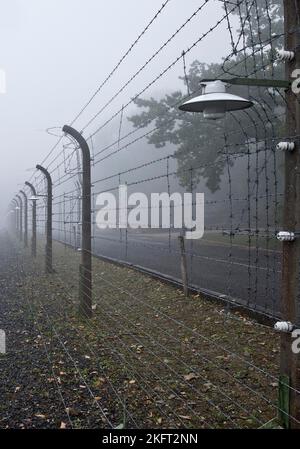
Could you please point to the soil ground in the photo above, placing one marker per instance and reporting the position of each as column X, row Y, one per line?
column 148, row 358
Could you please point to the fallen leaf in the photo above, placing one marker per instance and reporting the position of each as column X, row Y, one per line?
column 185, row 417
column 72, row 411
column 190, row 376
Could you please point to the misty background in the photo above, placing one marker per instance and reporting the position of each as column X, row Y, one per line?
column 56, row 53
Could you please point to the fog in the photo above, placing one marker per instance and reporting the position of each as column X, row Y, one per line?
column 55, row 54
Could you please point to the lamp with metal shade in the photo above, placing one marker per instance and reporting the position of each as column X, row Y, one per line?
column 214, row 101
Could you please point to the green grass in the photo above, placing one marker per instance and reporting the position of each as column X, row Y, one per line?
column 242, row 240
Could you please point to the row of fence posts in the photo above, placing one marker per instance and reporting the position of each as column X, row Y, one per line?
column 19, row 206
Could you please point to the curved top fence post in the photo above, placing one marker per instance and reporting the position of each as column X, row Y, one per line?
column 85, row 282
column 49, row 268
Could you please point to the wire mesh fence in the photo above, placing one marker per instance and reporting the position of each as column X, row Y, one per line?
column 157, row 148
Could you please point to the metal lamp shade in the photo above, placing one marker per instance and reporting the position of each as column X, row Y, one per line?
column 215, row 101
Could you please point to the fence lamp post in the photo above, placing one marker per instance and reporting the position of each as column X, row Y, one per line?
column 25, row 218
column 16, row 209
column 20, row 216
column 12, row 220
column 34, row 199
column 214, row 103
column 13, row 215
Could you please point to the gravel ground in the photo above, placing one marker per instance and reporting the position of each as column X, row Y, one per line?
column 148, row 358
column 24, row 398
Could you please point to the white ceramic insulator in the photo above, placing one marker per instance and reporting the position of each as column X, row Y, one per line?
column 285, row 55
column 284, row 326
column 286, row 146
column 285, row 236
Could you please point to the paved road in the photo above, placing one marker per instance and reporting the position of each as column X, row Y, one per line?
column 250, row 277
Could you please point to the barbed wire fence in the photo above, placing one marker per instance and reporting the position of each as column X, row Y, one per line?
column 171, row 363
